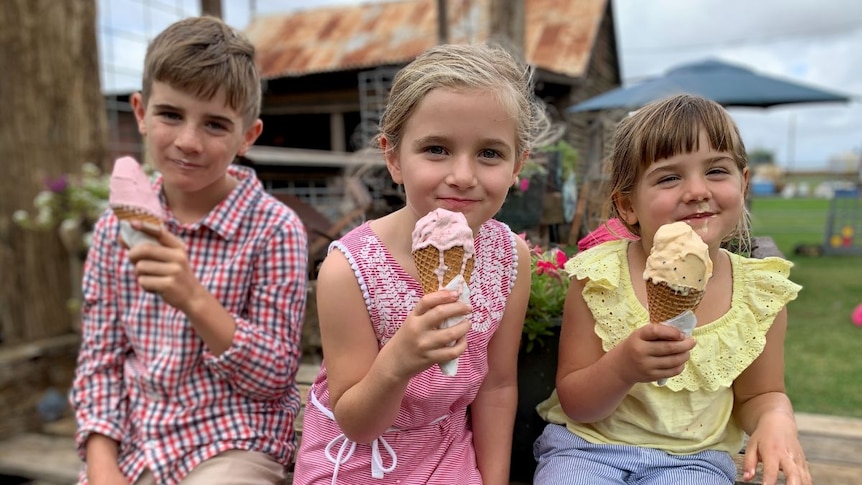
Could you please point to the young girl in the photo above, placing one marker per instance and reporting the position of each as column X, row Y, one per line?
column 455, row 133
column 679, row 159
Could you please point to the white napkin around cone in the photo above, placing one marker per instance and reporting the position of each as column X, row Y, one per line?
column 685, row 322
column 450, row 368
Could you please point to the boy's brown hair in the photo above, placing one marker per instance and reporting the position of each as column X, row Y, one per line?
column 199, row 56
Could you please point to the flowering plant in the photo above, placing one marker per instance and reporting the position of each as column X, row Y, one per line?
column 536, row 166
column 532, row 168
column 71, row 204
column 548, row 288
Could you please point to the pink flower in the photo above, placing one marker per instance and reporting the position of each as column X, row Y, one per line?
column 561, row 258
column 536, row 251
column 58, row 184
column 545, row 267
column 524, row 184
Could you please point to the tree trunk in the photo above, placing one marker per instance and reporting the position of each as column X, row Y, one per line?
column 54, row 121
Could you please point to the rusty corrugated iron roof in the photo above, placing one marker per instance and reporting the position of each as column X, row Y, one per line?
column 558, row 37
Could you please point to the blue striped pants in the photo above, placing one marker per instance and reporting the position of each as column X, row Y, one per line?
column 565, row 458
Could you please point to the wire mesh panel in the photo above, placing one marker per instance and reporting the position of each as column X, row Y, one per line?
column 844, row 226
column 374, row 86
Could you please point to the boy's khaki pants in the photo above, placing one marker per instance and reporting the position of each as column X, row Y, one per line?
column 233, row 467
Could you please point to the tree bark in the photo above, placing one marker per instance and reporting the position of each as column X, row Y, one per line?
column 54, row 121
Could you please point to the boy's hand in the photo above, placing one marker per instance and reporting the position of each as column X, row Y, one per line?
column 653, row 352
column 421, row 343
column 164, row 268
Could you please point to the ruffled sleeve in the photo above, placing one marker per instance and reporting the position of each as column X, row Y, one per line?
column 769, row 287
column 607, row 291
column 600, row 264
column 726, row 347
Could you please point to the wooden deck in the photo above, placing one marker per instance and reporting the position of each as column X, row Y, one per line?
column 833, row 446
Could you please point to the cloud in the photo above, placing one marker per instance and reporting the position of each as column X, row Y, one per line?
column 814, row 43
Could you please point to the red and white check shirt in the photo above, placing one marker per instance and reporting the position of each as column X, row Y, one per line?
column 145, row 379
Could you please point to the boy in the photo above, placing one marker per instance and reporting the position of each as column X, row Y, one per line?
column 190, row 347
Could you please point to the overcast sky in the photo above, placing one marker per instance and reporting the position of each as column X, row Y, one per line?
column 813, row 42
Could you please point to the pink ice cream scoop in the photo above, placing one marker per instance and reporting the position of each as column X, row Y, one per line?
column 132, row 197
column 131, row 189
column 444, row 230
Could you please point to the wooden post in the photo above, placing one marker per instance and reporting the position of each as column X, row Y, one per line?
column 507, row 25
column 211, row 7
column 442, row 23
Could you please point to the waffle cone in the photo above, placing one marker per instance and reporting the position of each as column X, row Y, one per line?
column 665, row 302
column 427, row 261
column 129, row 214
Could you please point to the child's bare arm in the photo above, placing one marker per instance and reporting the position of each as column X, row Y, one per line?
column 578, row 365
column 766, row 414
column 493, row 410
column 366, row 385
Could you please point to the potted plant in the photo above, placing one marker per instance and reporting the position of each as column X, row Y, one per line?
column 548, row 289
column 524, row 203
column 537, row 359
column 550, row 169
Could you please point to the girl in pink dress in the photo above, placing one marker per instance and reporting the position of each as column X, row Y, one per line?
column 455, row 133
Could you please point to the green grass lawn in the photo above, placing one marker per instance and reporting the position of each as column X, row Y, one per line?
column 824, row 368
column 789, row 222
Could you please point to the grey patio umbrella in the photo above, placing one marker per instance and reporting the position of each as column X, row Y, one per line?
column 727, row 84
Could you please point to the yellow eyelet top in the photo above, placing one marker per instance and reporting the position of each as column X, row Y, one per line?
column 692, row 412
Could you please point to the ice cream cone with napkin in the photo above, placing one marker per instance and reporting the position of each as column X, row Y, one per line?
column 443, row 252
column 677, row 270
column 132, row 197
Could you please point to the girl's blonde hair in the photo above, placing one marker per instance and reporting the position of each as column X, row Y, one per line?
column 467, row 66
column 667, row 128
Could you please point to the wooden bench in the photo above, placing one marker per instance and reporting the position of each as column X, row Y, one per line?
column 758, row 478
column 50, row 459
column 833, row 445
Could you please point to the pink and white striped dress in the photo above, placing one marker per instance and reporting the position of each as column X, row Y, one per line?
column 430, row 441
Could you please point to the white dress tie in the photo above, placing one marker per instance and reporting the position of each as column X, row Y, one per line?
column 347, row 447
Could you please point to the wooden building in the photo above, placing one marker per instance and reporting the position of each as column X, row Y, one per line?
column 328, row 70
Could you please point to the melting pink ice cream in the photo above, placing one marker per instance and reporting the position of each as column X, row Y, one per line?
column 444, row 230
column 130, row 187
